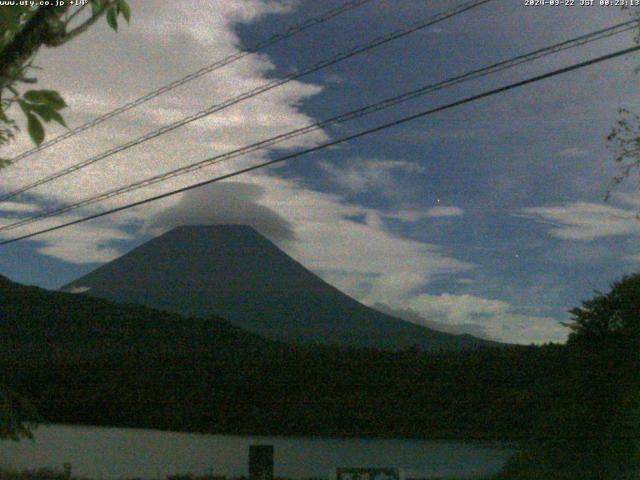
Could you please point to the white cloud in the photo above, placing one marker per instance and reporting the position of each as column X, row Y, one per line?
column 334, row 78
column 355, row 256
column 478, row 316
column 224, row 203
column 18, row 207
column 78, row 289
column 359, row 175
column 412, row 316
column 629, row 199
column 444, row 212
column 85, row 243
column 586, row 221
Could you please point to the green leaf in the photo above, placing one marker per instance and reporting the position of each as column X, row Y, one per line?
column 125, row 9
column 96, row 6
column 112, row 18
column 24, row 106
column 44, row 111
column 47, row 114
column 46, row 97
column 36, row 130
column 56, row 117
column 10, row 18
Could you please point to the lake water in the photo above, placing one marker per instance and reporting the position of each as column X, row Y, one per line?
column 115, row 453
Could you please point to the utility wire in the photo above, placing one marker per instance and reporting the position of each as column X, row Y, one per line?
column 252, row 93
column 290, row 32
column 351, row 115
column 360, row 134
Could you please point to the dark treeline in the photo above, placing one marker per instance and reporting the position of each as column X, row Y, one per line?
column 491, row 394
column 83, row 360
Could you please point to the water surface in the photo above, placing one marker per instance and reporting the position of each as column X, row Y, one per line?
column 116, row 452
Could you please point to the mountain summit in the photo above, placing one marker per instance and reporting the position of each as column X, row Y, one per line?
column 234, row 272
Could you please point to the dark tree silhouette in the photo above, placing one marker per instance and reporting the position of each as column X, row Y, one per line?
column 594, row 430
column 611, row 316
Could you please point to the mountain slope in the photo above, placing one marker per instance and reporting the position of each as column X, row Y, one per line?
column 234, row 272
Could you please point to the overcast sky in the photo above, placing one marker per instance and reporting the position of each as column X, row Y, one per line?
column 488, row 218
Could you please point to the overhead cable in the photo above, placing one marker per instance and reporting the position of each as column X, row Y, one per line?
column 351, row 115
column 339, row 141
column 250, row 94
column 290, row 32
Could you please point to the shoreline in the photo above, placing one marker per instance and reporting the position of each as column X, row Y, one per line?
column 490, row 442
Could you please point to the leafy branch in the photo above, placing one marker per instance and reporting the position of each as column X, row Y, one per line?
column 624, row 137
column 625, row 141
column 25, row 30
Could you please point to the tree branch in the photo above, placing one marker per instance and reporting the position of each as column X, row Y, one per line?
column 41, row 29
column 74, row 14
column 80, row 28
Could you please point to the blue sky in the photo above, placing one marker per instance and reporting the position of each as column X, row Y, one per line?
column 487, row 218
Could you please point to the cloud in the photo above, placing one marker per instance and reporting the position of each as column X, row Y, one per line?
column 360, row 175
column 359, row 257
column 583, row 221
column 629, row 199
column 334, row 78
column 482, row 317
column 412, row 316
column 224, row 203
column 93, row 242
column 80, row 289
column 444, row 212
column 19, row 207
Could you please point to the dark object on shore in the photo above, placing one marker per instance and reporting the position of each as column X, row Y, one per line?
column 261, row 462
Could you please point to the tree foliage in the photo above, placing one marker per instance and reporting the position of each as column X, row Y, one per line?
column 614, row 316
column 25, row 29
column 593, row 432
column 624, row 137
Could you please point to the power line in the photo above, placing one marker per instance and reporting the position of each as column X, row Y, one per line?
column 363, row 133
column 290, row 32
column 252, row 93
column 348, row 116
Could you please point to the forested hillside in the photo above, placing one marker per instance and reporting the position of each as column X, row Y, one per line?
column 485, row 394
column 84, row 360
